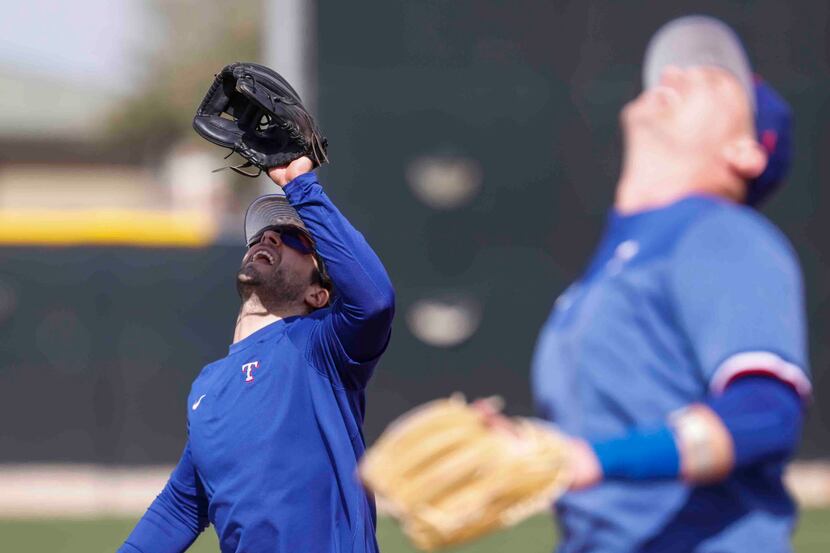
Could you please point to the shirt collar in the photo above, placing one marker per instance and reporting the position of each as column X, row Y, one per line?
column 265, row 333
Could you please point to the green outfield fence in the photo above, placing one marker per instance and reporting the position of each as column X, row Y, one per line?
column 99, row 345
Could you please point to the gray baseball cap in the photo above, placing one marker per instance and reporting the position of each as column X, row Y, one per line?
column 696, row 40
column 271, row 210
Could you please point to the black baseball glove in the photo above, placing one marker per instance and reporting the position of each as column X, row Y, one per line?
column 252, row 110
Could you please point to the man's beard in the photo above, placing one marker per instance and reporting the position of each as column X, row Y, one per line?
column 275, row 288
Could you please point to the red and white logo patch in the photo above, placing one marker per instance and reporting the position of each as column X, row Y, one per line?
column 248, row 368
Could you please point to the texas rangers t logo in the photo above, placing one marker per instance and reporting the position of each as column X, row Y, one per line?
column 247, row 368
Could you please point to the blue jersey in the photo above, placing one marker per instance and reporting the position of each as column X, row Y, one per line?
column 676, row 303
column 274, row 428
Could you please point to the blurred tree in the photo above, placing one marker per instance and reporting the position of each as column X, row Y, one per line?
column 193, row 40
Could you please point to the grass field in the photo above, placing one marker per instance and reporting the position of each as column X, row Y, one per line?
column 534, row 536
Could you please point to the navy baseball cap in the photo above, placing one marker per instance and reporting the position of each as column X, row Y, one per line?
column 696, row 40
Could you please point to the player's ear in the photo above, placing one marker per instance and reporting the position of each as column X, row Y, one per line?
column 745, row 157
column 316, row 296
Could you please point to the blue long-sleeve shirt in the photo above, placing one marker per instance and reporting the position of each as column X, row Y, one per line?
column 274, row 428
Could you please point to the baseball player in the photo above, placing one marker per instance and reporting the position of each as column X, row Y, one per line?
column 274, row 428
column 678, row 359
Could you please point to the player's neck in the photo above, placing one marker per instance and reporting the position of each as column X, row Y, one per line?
column 635, row 195
column 651, row 179
column 253, row 316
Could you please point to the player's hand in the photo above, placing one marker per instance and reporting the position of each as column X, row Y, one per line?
column 286, row 173
column 584, row 465
column 490, row 410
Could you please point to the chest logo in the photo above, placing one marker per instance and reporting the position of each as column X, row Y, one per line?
column 198, row 402
column 248, row 369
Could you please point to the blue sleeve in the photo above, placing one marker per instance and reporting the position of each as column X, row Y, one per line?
column 357, row 329
column 736, row 288
column 764, row 417
column 176, row 517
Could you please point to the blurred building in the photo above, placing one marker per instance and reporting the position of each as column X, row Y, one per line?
column 62, row 181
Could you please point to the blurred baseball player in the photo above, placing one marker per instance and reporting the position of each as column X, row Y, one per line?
column 274, row 428
column 678, row 359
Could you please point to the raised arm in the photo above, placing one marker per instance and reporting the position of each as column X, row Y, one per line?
column 176, row 517
column 358, row 329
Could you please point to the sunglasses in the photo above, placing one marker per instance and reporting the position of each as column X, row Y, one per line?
column 299, row 242
column 289, row 236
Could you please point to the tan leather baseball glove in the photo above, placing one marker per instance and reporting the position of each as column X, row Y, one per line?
column 450, row 477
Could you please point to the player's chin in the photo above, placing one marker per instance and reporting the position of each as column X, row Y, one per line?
column 643, row 118
column 631, row 113
column 252, row 273
column 656, row 102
